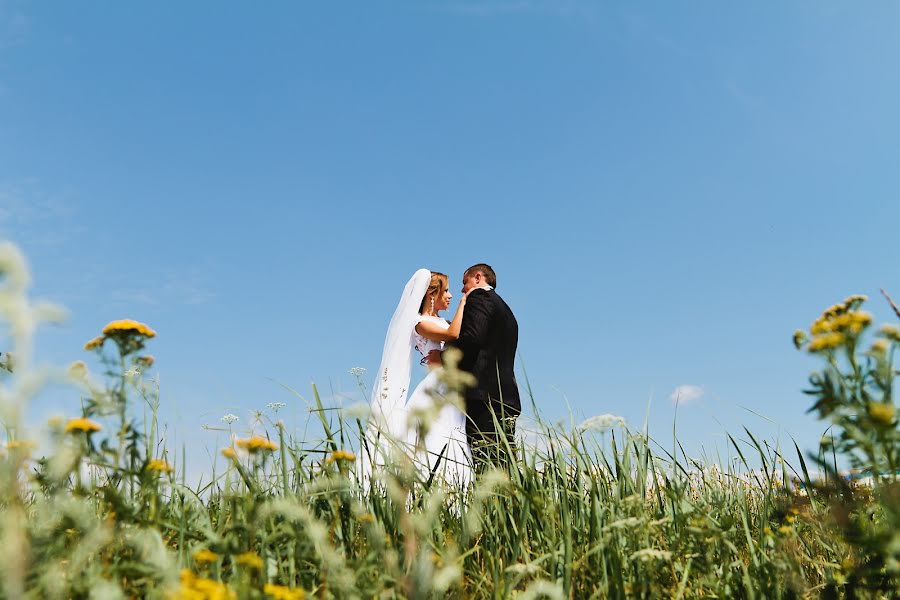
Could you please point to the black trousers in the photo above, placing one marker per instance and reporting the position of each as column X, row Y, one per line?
column 492, row 436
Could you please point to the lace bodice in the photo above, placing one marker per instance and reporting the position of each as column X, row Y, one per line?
column 423, row 344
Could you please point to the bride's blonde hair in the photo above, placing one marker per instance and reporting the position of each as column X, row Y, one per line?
column 439, row 284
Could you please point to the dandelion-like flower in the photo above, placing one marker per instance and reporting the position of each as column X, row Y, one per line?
column 881, row 413
column 256, row 444
column 205, row 556
column 160, row 466
column 880, row 346
column 146, row 361
column 194, row 588
column 275, row 406
column 282, row 592
column 230, row 418
column 83, row 424
column 891, row 332
column 250, row 560
column 95, row 343
column 128, row 326
column 24, row 446
column 229, row 453
column 340, row 456
column 826, row 341
column 78, row 370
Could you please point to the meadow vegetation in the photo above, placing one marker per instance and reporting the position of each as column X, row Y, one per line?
column 100, row 508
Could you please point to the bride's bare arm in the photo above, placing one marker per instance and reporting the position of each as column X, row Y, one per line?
column 437, row 333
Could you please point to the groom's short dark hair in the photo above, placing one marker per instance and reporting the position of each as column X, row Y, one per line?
column 485, row 270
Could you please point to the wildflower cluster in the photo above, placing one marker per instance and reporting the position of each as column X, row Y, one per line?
column 196, row 588
column 854, row 392
column 340, row 456
column 256, row 444
column 838, row 325
column 129, row 334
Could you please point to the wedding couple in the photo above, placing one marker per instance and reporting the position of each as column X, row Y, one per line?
column 485, row 330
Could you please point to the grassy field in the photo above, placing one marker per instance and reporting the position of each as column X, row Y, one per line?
column 596, row 511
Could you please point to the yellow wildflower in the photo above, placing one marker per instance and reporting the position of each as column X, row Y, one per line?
column 784, row 529
column 767, row 530
column 366, row 518
column 256, row 443
column 23, row 446
column 128, row 326
column 340, row 455
column 891, row 332
column 229, row 453
column 882, row 413
column 157, row 464
column 820, row 325
column 146, row 361
column 799, row 339
column 205, row 556
column 879, row 346
column 826, row 341
column 251, row 560
column 282, row 592
column 197, row 588
column 54, row 421
column 78, row 370
column 854, row 321
column 82, row 424
column 95, row 343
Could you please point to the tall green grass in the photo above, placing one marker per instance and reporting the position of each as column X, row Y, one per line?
column 582, row 514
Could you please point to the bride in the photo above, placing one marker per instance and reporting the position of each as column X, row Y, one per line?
column 428, row 429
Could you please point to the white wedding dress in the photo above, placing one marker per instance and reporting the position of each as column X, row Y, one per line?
column 445, row 450
column 392, row 426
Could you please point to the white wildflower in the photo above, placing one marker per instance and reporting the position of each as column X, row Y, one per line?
column 624, row 523
column 543, row 589
column 132, row 372
column 230, row 418
column 357, row 372
column 357, row 411
column 275, row 406
column 602, row 423
column 651, row 554
column 524, row 569
column 6, row 361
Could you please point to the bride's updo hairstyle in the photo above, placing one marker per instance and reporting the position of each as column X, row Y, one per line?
column 439, row 284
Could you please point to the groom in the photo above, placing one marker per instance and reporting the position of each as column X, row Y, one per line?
column 488, row 338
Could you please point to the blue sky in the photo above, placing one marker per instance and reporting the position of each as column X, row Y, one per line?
column 666, row 190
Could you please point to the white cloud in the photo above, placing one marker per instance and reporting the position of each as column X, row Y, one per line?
column 687, row 393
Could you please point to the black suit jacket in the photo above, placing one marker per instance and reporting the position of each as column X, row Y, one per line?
column 488, row 339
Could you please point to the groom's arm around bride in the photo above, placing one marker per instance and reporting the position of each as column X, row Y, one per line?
column 488, row 339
